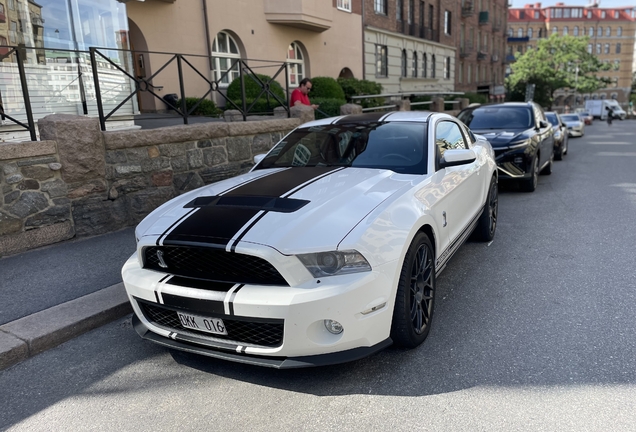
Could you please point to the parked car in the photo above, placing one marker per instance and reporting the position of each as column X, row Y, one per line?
column 326, row 251
column 576, row 126
column 521, row 136
column 560, row 134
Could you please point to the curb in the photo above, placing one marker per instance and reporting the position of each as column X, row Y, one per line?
column 33, row 334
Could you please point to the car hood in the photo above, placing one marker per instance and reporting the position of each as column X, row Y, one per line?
column 503, row 137
column 292, row 210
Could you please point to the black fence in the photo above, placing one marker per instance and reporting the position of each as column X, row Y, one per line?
column 92, row 75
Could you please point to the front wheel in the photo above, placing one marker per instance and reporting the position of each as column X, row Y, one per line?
column 415, row 297
column 530, row 184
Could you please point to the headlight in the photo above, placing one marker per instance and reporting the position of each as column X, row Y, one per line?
column 557, row 134
column 334, row 263
column 519, row 144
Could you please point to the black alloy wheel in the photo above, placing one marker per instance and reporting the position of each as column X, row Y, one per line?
column 487, row 224
column 415, row 298
column 530, row 184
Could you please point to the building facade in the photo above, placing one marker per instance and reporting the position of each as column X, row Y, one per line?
column 611, row 32
column 409, row 45
column 317, row 38
column 482, row 44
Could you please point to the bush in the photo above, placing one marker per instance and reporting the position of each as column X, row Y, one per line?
column 205, row 108
column 330, row 106
column 253, row 89
column 326, row 87
column 357, row 87
column 476, row 98
column 260, row 107
column 426, row 107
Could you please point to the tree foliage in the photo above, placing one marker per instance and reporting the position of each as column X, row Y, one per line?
column 552, row 65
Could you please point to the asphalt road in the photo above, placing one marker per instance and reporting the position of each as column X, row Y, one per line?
column 535, row 332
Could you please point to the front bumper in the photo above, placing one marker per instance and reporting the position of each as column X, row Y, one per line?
column 296, row 313
column 514, row 163
column 575, row 132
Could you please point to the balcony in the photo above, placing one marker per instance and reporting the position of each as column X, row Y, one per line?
column 483, row 18
column 305, row 14
column 37, row 21
column 481, row 55
column 518, row 39
column 468, row 10
column 496, row 26
column 466, row 50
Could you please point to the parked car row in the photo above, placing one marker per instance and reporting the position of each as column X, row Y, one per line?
column 526, row 140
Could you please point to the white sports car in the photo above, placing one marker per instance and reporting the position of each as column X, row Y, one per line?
column 325, row 252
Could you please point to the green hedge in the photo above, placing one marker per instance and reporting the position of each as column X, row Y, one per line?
column 326, row 87
column 330, row 106
column 253, row 89
column 476, row 98
column 205, row 108
column 259, row 107
column 421, row 107
column 357, row 87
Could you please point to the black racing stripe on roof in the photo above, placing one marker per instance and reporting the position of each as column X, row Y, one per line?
column 362, row 118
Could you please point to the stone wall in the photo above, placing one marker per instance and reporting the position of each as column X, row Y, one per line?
column 80, row 181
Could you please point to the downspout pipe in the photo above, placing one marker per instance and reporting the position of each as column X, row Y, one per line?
column 207, row 34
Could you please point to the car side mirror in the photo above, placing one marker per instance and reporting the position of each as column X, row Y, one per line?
column 258, row 158
column 455, row 157
column 543, row 124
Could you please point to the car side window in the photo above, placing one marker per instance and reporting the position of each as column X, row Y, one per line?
column 447, row 136
column 468, row 134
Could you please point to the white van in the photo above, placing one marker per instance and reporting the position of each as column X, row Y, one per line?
column 598, row 108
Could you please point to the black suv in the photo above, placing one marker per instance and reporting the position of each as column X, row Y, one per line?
column 520, row 135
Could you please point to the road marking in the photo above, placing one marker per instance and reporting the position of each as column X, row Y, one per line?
column 490, row 243
column 616, row 154
column 610, row 143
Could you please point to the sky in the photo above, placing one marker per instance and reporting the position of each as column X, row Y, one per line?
column 603, row 3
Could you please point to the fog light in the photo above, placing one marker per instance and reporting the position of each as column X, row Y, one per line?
column 518, row 160
column 333, row 327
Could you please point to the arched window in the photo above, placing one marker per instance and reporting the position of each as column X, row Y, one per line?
column 433, row 66
column 591, row 32
column 530, row 32
column 510, row 32
column 424, row 65
column 520, row 32
column 414, row 63
column 296, row 62
column 575, row 31
column 555, row 30
column 608, row 32
column 404, row 63
column 565, row 31
column 619, row 31
column 599, row 31
column 225, row 53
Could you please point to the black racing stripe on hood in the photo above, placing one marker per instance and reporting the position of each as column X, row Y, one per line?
column 218, row 224
column 361, row 118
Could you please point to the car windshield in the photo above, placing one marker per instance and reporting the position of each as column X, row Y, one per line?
column 570, row 117
column 552, row 118
column 585, row 114
column 400, row 147
column 498, row 118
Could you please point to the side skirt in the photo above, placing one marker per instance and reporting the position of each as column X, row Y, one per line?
column 445, row 256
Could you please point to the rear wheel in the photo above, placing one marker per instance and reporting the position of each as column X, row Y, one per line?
column 561, row 151
column 530, row 184
column 415, row 297
column 487, row 224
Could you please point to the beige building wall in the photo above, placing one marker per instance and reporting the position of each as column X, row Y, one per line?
column 179, row 27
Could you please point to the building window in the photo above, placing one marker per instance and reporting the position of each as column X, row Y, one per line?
column 591, row 31
column 589, row 14
column 619, row 31
column 404, row 63
column 447, row 22
column 567, row 13
column 422, row 13
column 599, row 31
column 399, row 6
column 414, row 65
column 11, row 4
column 433, row 66
column 575, row 31
column 618, row 48
column 608, row 32
column 381, row 61
column 617, row 64
column 536, row 14
column 424, row 65
column 460, row 77
column 598, row 48
column 530, row 32
column 447, row 68
column 225, row 53
column 410, row 12
column 555, row 30
column 296, row 64
column 13, row 32
column 590, row 48
column 469, row 73
column 511, row 32
column 379, row 6
column 565, row 31
column 603, row 14
column 431, row 15
column 607, row 48
column 520, row 32
column 344, row 5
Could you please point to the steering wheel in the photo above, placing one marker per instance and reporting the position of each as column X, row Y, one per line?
column 396, row 155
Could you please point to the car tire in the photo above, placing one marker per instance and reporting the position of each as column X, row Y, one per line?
column 487, row 224
column 565, row 147
column 415, row 299
column 548, row 168
column 530, row 185
column 559, row 155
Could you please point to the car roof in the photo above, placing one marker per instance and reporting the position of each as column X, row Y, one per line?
column 393, row 116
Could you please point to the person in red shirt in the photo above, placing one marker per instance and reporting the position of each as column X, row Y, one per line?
column 299, row 95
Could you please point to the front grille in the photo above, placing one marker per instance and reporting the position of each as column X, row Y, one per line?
column 248, row 332
column 211, row 264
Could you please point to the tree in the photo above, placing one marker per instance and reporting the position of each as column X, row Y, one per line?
column 558, row 62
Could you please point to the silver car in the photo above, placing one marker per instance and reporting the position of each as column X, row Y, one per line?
column 574, row 123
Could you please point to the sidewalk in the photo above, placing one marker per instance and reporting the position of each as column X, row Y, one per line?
column 52, row 294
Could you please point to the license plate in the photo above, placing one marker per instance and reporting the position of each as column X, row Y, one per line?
column 208, row 325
